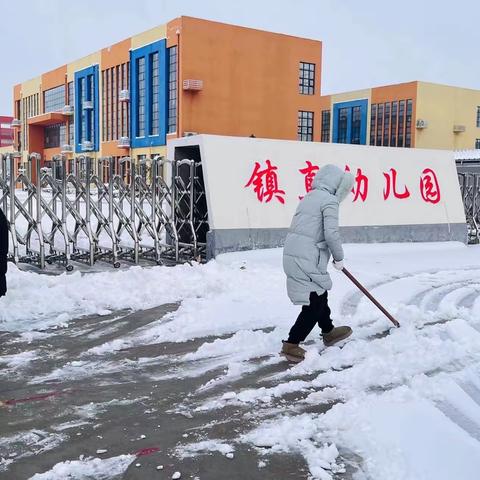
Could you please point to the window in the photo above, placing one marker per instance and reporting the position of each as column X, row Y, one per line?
column 104, row 105
column 148, row 105
column 83, row 96
column 172, row 89
column 54, row 135
column 305, row 126
column 114, row 102
column 325, row 126
column 373, row 123
column 408, row 125
column 28, row 108
column 393, row 129
column 349, row 124
column 86, row 114
column 91, row 97
column 386, row 125
column 401, row 121
column 396, row 118
column 141, row 97
column 342, row 125
column 478, row 116
column 114, row 111
column 306, row 85
column 125, row 105
column 477, row 144
column 154, row 98
column 54, row 99
column 379, row 124
column 71, row 118
column 356, row 124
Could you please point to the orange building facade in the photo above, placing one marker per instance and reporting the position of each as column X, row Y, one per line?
column 186, row 77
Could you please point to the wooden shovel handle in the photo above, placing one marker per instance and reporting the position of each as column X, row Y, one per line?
column 370, row 296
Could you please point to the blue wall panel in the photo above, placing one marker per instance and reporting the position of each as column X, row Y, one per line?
column 89, row 75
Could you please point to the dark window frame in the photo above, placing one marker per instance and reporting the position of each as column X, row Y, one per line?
column 326, row 118
column 305, row 126
column 373, row 123
column 306, row 78
column 356, row 125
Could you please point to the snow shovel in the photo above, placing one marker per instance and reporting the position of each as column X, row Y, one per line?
column 370, row 296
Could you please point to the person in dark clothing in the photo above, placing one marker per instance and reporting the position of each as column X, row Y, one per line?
column 3, row 253
column 317, row 311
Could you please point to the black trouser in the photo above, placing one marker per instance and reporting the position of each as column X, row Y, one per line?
column 317, row 312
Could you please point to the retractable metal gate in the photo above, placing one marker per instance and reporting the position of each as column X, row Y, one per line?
column 86, row 210
column 470, row 188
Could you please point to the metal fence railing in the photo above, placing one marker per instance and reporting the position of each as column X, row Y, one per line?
column 470, row 188
column 85, row 210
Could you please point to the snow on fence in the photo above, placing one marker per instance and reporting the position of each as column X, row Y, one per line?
column 85, row 210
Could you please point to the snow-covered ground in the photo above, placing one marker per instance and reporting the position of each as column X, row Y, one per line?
column 406, row 401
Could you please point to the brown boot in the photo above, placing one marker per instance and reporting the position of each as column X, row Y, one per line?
column 293, row 352
column 336, row 335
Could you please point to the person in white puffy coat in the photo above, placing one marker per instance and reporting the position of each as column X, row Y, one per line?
column 312, row 239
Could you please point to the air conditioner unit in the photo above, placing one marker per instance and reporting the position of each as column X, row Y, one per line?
column 87, row 146
column 87, row 105
column 124, row 95
column 16, row 123
column 124, row 142
column 189, row 134
column 421, row 123
column 458, row 128
column 67, row 110
column 67, row 149
column 194, row 85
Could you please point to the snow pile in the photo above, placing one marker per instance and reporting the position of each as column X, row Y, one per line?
column 206, row 446
column 87, row 468
column 404, row 404
column 54, row 300
column 299, row 434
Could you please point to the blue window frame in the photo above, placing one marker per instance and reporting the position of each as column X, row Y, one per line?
column 148, row 103
column 86, row 119
column 350, row 122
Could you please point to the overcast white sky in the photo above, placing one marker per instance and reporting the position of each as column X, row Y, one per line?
column 365, row 42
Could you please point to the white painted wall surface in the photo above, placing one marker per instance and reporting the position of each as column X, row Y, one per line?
column 228, row 164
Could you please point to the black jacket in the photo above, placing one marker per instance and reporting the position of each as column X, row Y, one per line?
column 3, row 253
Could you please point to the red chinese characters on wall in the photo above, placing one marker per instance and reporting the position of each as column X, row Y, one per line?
column 429, row 188
column 360, row 187
column 265, row 183
column 391, row 186
column 309, row 173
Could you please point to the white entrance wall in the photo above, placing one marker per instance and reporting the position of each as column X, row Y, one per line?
column 255, row 185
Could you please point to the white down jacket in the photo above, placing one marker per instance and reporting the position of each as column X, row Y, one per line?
column 313, row 235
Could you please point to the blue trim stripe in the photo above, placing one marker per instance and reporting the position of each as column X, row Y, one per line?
column 146, row 51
